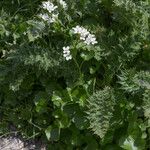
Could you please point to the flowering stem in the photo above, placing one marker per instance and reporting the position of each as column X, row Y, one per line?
column 81, row 64
column 79, row 69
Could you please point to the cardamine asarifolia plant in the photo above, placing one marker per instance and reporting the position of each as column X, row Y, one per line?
column 76, row 74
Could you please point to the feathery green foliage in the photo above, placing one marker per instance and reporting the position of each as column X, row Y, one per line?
column 100, row 111
column 76, row 74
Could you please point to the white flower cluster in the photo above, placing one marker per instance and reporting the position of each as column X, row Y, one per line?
column 51, row 16
column 66, row 53
column 85, row 35
column 49, row 6
column 49, row 19
column 63, row 3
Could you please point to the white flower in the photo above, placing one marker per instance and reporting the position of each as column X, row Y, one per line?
column 90, row 39
column 48, row 18
column 49, row 6
column 45, row 17
column 63, row 3
column 82, row 31
column 66, row 53
column 85, row 35
column 77, row 30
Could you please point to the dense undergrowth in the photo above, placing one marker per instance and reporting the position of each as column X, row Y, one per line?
column 76, row 73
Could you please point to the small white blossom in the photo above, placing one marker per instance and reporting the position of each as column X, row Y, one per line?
column 51, row 16
column 82, row 31
column 66, row 53
column 49, row 6
column 48, row 18
column 63, row 3
column 90, row 39
column 45, row 17
column 85, row 35
column 77, row 30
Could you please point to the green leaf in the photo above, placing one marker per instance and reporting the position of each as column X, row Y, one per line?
column 62, row 119
column 128, row 143
column 40, row 101
column 2, row 30
column 86, row 55
column 52, row 133
column 56, row 99
column 80, row 120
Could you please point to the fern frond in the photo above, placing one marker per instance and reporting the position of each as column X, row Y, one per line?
column 132, row 81
column 101, row 107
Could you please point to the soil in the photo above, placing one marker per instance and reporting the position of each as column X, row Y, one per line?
column 14, row 143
